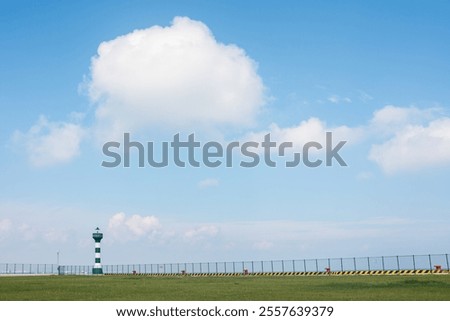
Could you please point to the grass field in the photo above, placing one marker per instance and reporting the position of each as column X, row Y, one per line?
column 420, row 287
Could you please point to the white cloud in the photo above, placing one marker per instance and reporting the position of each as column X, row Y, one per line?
column 49, row 143
column 309, row 130
column 208, row 182
column 123, row 228
column 5, row 226
column 55, row 236
column 140, row 225
column 415, row 147
column 201, row 233
column 391, row 119
column 19, row 231
column 335, row 99
column 177, row 76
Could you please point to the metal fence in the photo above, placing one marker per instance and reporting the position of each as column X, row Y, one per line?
column 379, row 263
column 21, row 268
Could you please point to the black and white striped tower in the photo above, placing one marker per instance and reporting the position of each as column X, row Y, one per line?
column 97, row 236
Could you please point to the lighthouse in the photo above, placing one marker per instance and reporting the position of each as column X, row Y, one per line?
column 97, row 236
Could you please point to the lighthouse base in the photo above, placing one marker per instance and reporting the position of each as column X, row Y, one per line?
column 97, row 271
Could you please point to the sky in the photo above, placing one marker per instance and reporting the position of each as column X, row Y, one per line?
column 77, row 75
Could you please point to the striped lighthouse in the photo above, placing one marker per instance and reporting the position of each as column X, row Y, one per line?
column 97, row 236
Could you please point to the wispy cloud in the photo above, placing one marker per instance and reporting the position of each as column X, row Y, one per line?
column 335, row 99
column 208, row 182
column 364, row 97
column 200, row 233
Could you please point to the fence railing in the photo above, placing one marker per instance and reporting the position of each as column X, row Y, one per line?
column 21, row 268
column 381, row 263
column 378, row 263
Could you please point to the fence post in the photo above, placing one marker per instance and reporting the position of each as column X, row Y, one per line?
column 253, row 270
column 342, row 266
column 293, row 265
column 329, row 264
column 317, row 266
column 271, row 265
column 282, row 266
column 382, row 262
column 368, row 263
column 304, row 264
column 414, row 262
column 354, row 264
column 234, row 267
column 398, row 264
column 446, row 258
column 429, row 259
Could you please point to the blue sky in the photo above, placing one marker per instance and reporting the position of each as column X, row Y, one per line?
column 74, row 75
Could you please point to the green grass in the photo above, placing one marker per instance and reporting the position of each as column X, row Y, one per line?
column 371, row 287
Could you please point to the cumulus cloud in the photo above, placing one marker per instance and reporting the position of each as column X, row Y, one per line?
column 178, row 76
column 391, row 119
column 49, row 143
column 309, row 130
column 122, row 227
column 415, row 147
